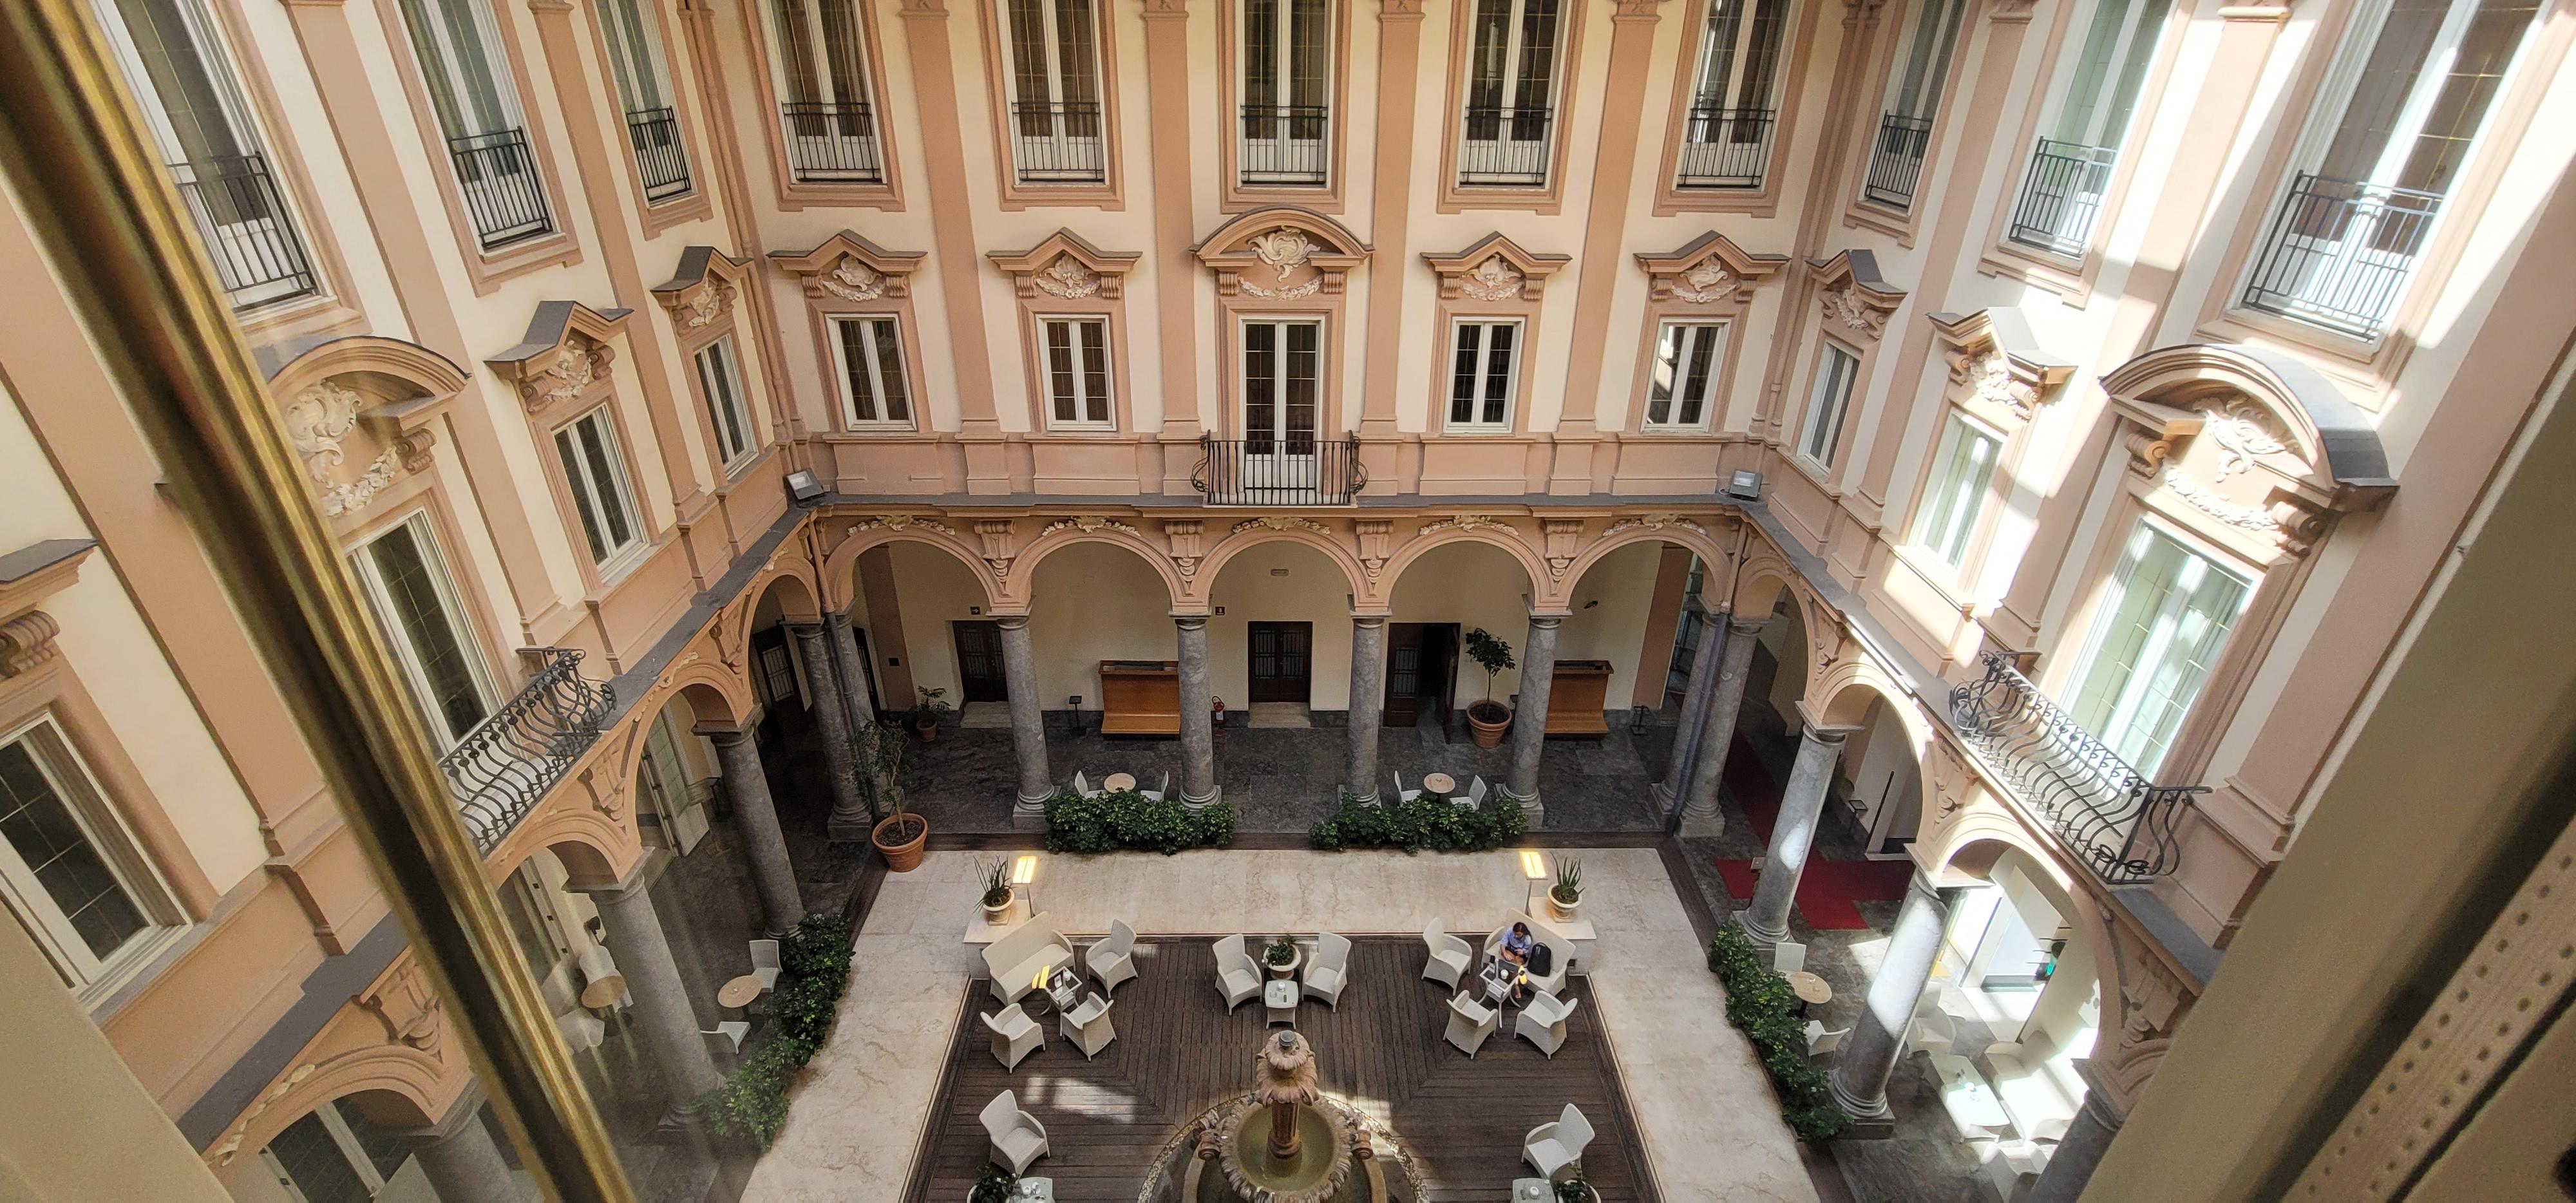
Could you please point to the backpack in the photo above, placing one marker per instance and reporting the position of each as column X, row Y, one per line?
column 1542, row 959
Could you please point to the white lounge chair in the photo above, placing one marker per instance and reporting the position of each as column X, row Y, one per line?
column 1156, row 794
column 1087, row 1027
column 1551, row 1147
column 1402, row 794
column 1821, row 1042
column 1237, row 978
column 1788, row 958
column 581, row 1029
column 1449, row 956
column 1329, row 970
column 1542, row 1022
column 1015, row 1035
column 1112, row 959
column 1935, row 1033
column 1470, row 1022
column 731, row 1031
column 1477, row 792
column 1018, row 1138
column 2011, row 1164
column 1082, row 786
column 764, row 964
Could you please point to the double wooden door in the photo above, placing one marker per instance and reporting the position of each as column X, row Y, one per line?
column 979, row 663
column 1283, row 660
column 1421, row 664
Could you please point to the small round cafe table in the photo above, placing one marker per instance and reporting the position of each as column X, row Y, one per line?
column 1439, row 783
column 1810, row 989
column 739, row 992
column 1118, row 781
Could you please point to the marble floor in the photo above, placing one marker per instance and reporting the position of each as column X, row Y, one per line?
column 1704, row 1112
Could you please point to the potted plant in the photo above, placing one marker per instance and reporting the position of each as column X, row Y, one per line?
column 1282, row 957
column 996, row 1185
column 1575, row 1188
column 1567, row 893
column 927, row 712
column 1488, row 719
column 996, row 876
column 900, row 835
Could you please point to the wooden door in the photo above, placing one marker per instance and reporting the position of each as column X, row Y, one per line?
column 1403, row 674
column 1283, row 663
column 774, row 682
column 979, row 663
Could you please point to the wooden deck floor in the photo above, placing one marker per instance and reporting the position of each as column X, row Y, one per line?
column 1179, row 1052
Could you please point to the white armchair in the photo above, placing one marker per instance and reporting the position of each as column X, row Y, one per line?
column 1935, row 1033
column 1014, row 1034
column 1082, row 786
column 1788, row 958
column 1477, row 792
column 1450, row 956
column 1015, row 961
column 1402, row 794
column 1237, row 978
column 1470, row 1022
column 1542, row 1022
column 1156, row 794
column 581, row 1029
column 731, row 1032
column 1551, row 1147
column 764, row 964
column 1329, row 970
column 1821, row 1042
column 1018, row 1138
column 1087, row 1027
column 1112, row 959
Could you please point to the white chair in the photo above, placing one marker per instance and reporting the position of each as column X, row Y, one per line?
column 1113, row 959
column 1551, row 1147
column 1237, row 978
column 1934, row 1033
column 2049, row 1131
column 1788, row 958
column 1560, row 952
column 1015, row 1035
column 1402, row 794
column 2012, row 1165
column 1018, row 1138
column 1329, row 970
column 731, row 1031
column 1821, row 1042
column 1450, row 956
column 1542, row 1022
column 764, row 964
column 1477, row 792
column 1156, row 794
column 1470, row 1022
column 1082, row 786
column 581, row 1029
column 1087, row 1027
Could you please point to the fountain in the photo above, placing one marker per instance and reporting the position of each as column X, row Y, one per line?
column 1285, row 1142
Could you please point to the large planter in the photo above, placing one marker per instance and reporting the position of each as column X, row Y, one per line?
column 1283, row 972
column 1486, row 723
column 902, row 856
column 1564, row 910
column 993, row 915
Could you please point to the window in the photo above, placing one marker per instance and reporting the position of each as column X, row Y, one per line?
column 1504, row 136
column 1956, row 494
column 407, row 580
column 459, row 48
column 2070, row 169
column 203, row 130
column 1682, row 392
column 69, row 870
column 1053, row 54
column 1826, row 402
column 827, row 112
column 1483, row 369
column 2346, row 238
column 1287, row 74
column 597, row 476
column 644, row 92
column 720, row 375
column 2162, row 627
column 1282, row 374
column 1913, row 101
column 334, row 1154
column 1076, row 367
column 868, row 351
column 1726, row 139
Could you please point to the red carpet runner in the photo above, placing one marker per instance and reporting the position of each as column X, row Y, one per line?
column 1827, row 888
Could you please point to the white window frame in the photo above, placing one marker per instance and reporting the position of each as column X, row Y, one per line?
column 875, row 367
column 1955, row 499
column 1825, row 415
column 1055, row 94
column 728, row 406
column 1283, row 148
column 504, row 85
column 589, row 493
column 451, row 602
column 828, row 87
column 1081, row 397
column 1920, row 96
column 1279, row 432
column 1665, row 375
column 91, row 978
column 2147, row 526
column 1511, row 374
column 653, row 90
column 1507, row 88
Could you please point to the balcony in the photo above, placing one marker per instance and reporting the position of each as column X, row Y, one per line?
column 2340, row 252
column 503, row 198
column 246, row 227
column 1283, row 146
column 659, row 157
column 832, row 142
column 2108, row 814
column 1504, row 147
column 1059, row 143
column 2061, row 197
column 1278, row 471
column 1896, row 161
column 1724, row 148
column 502, row 768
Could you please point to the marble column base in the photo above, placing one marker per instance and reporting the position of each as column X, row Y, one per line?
column 1761, row 939
column 1214, row 796
column 1711, row 825
column 839, row 830
column 1029, row 814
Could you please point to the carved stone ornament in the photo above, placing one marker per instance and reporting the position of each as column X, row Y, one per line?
column 1706, row 283
column 711, row 303
column 563, row 375
column 1284, row 249
column 231, row 1145
column 2216, row 505
column 1067, row 279
column 853, row 281
column 1375, row 534
column 1990, row 377
column 900, row 522
column 1846, row 305
column 2243, row 432
column 409, row 1009
column 1654, row 522
column 26, row 641
column 1278, row 522
column 1466, row 522
column 1087, row 524
column 318, row 421
column 1492, row 280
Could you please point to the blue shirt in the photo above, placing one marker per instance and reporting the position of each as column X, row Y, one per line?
column 1516, row 942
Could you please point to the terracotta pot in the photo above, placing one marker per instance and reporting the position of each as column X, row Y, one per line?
column 1488, row 731
column 905, row 856
column 927, row 731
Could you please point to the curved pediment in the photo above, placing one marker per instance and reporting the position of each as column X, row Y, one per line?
column 1281, row 253
column 850, row 267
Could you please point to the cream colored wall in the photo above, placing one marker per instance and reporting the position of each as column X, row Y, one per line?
column 1609, row 619
column 1252, row 589
column 1474, row 586
column 935, row 590
column 1092, row 602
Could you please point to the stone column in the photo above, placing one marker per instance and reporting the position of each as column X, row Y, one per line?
column 1529, row 722
column 2088, row 1137
column 851, row 817
column 662, row 1005
column 460, row 1158
column 1878, row 1036
column 1674, row 785
column 1368, row 704
column 1802, row 805
column 856, row 702
column 1198, row 729
column 747, row 784
column 1700, row 815
column 1028, row 722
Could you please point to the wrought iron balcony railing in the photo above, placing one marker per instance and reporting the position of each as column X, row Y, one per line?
column 503, row 198
column 2108, row 814
column 503, row 767
column 1506, row 147
column 2061, row 196
column 659, row 157
column 248, row 231
column 1283, row 144
column 1278, row 471
column 832, row 142
column 1724, row 148
column 1896, row 161
column 1060, row 143
column 2340, row 252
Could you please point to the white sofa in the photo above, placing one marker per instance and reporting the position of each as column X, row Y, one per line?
column 1560, row 962
column 1016, row 959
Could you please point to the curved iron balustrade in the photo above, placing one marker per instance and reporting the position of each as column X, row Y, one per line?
column 2111, row 816
column 503, row 767
column 1281, row 470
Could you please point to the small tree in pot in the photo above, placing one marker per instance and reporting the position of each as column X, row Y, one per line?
column 900, row 835
column 1488, row 719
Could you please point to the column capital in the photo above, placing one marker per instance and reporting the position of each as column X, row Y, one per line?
column 725, row 735
column 1399, row 10
column 1010, row 622
column 1371, row 620
column 1166, row 10
column 1813, row 726
column 1746, row 626
column 1190, row 622
column 467, row 1109
column 802, row 629
column 1549, row 620
column 636, row 884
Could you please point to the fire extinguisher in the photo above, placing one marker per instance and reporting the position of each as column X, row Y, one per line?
column 1216, row 715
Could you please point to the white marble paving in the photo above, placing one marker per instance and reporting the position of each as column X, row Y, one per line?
column 1707, row 1117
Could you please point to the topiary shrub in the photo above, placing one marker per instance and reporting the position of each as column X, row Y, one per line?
column 1124, row 820
column 1758, row 1001
column 814, row 967
column 1422, row 823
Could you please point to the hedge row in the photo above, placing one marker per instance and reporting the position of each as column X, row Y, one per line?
column 1117, row 820
column 1758, row 1001
column 814, row 971
column 1425, row 822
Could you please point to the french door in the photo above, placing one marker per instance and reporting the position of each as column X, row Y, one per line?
column 1282, row 378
